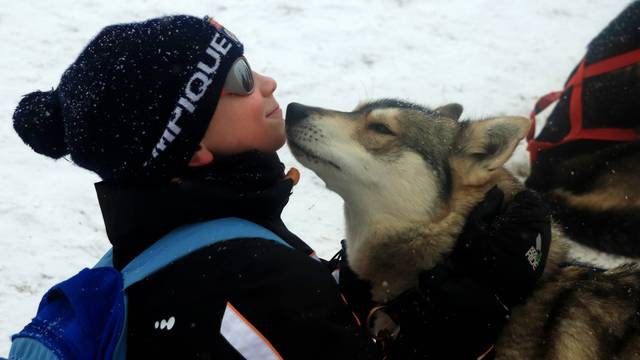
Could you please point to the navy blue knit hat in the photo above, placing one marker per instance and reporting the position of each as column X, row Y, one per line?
column 137, row 101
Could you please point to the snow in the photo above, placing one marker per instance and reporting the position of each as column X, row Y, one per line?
column 494, row 57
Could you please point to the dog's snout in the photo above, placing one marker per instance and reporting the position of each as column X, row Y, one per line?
column 295, row 113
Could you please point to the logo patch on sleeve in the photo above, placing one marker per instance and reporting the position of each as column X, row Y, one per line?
column 534, row 254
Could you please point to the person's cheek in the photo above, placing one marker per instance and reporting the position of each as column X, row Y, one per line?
column 257, row 110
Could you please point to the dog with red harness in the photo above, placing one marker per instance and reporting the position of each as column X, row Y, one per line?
column 586, row 157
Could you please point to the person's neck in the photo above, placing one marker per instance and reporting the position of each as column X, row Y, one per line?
column 138, row 213
column 246, row 172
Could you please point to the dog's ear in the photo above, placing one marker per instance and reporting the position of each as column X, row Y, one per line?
column 485, row 145
column 361, row 104
column 452, row 111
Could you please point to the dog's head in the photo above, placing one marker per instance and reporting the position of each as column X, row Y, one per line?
column 402, row 159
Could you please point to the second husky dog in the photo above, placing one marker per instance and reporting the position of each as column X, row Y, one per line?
column 410, row 175
column 586, row 157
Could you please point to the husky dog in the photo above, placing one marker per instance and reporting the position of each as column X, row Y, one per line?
column 409, row 177
column 591, row 182
column 593, row 185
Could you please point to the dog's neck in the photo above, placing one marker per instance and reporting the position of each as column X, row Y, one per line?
column 362, row 220
column 370, row 211
column 391, row 248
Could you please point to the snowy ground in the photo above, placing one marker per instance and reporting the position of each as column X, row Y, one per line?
column 494, row 57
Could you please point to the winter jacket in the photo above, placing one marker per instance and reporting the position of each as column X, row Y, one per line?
column 237, row 298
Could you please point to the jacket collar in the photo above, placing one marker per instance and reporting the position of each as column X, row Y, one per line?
column 250, row 186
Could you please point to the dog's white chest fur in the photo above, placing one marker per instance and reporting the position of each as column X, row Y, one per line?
column 392, row 256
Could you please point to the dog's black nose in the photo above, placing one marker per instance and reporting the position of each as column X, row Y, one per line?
column 295, row 113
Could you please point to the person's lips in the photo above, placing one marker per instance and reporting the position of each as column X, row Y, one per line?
column 274, row 111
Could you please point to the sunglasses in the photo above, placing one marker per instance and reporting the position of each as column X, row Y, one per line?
column 240, row 78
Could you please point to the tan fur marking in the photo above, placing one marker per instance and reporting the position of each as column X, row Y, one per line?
column 613, row 190
column 601, row 199
column 375, row 142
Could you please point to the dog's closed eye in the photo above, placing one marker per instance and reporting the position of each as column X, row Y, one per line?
column 380, row 128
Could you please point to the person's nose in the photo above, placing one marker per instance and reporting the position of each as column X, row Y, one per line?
column 266, row 84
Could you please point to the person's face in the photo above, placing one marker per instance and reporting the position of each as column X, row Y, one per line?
column 250, row 122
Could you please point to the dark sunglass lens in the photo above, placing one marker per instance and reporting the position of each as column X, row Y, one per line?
column 246, row 77
column 240, row 79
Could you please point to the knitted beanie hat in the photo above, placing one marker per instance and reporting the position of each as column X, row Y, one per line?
column 138, row 99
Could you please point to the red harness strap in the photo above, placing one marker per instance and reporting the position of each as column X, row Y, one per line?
column 577, row 132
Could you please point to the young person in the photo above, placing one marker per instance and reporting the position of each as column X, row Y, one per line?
column 169, row 114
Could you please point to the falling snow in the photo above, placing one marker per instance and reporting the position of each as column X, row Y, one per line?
column 493, row 57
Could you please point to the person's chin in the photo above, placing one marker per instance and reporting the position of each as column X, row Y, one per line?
column 279, row 142
column 277, row 123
